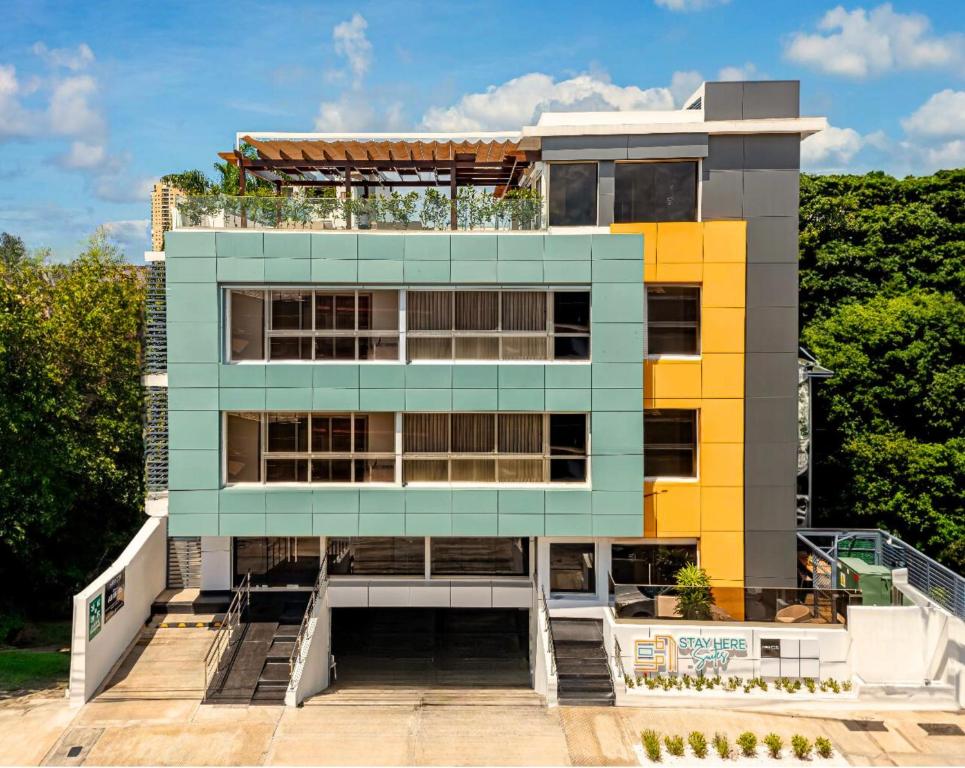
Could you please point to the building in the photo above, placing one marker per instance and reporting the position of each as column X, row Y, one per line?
column 162, row 212
column 593, row 386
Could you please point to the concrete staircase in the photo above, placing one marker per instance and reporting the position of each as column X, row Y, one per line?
column 582, row 668
column 275, row 673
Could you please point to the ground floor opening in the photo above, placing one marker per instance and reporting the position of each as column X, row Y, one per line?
column 431, row 647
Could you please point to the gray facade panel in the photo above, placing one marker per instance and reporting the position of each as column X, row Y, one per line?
column 659, row 146
column 725, row 153
column 771, row 329
column 770, row 374
column 771, row 193
column 770, row 419
column 770, row 464
column 772, row 240
column 723, row 101
column 585, row 147
column 772, row 285
column 722, row 195
column 775, row 98
column 770, row 559
column 772, row 152
column 766, row 506
column 606, row 188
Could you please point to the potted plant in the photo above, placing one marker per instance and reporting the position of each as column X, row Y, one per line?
column 694, row 596
column 436, row 210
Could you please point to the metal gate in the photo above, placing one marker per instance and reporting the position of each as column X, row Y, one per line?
column 184, row 562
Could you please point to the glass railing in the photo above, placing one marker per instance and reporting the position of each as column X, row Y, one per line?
column 475, row 210
column 733, row 604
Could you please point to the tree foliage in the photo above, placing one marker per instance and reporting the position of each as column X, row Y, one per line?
column 882, row 270
column 71, row 491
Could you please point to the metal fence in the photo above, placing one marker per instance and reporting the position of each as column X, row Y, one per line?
column 156, row 439
column 938, row 583
column 155, row 320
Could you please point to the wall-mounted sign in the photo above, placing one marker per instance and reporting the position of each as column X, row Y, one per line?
column 666, row 654
column 95, row 616
column 113, row 596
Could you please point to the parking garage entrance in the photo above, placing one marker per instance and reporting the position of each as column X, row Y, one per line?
column 431, row 647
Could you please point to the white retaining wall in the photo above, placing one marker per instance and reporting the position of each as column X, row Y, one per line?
column 144, row 562
column 313, row 670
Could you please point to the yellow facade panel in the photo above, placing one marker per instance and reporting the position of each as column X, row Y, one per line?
column 723, row 285
column 680, row 242
column 721, row 508
column 692, row 403
column 672, row 272
column 722, row 464
column 722, row 330
column 723, row 375
column 721, row 420
column 722, row 555
column 674, row 378
column 725, row 241
column 678, row 509
column 649, row 511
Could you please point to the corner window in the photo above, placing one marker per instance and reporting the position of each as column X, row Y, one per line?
column 247, row 341
column 670, row 443
column 673, row 320
column 572, row 194
column 647, row 192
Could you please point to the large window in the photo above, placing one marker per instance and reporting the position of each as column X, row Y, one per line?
column 377, row 556
column 314, row 325
column 670, row 443
column 655, row 192
column 572, row 194
column 310, row 447
column 673, row 320
column 573, row 568
column 498, row 325
column 494, row 448
column 480, row 556
column 649, row 563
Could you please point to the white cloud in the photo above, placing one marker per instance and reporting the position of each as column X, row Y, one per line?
column 746, row 72
column 118, row 186
column 83, row 156
column 130, row 234
column 860, row 43
column 70, row 111
column 353, row 45
column 831, row 149
column 68, row 58
column 521, row 100
column 14, row 119
column 683, row 84
column 942, row 116
column 688, row 5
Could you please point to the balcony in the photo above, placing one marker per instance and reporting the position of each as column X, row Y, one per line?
column 473, row 209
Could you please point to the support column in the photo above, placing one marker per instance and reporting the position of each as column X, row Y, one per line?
column 348, row 198
column 453, row 219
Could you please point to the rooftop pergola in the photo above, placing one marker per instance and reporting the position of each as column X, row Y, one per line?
column 317, row 162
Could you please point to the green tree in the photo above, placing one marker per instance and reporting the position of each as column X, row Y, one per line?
column 192, row 182
column 882, row 270
column 71, row 485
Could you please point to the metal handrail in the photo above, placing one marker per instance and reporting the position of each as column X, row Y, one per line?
column 222, row 638
column 618, row 653
column 320, row 583
column 544, row 609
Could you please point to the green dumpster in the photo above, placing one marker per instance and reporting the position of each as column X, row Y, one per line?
column 874, row 581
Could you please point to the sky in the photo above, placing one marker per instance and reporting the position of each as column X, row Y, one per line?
column 98, row 100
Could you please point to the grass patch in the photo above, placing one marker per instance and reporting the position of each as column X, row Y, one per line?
column 32, row 670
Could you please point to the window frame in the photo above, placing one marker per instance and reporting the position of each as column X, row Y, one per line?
column 548, row 334
column 549, row 191
column 546, row 456
column 698, row 323
column 698, row 180
column 695, row 448
column 313, row 334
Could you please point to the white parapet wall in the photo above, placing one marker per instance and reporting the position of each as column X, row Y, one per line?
column 312, row 673
column 110, row 612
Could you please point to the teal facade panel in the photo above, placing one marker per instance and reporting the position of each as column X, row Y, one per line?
column 202, row 386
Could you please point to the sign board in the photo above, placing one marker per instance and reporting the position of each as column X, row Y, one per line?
column 95, row 616
column 668, row 654
column 113, row 596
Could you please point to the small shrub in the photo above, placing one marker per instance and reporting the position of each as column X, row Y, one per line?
column 629, row 681
column 801, row 747
column 747, row 742
column 651, row 744
column 721, row 745
column 834, row 686
column 847, row 685
column 774, row 744
column 747, row 687
column 823, row 746
column 698, row 743
column 674, row 745
column 809, row 684
column 651, row 683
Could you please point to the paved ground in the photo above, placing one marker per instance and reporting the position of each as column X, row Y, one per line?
column 151, row 714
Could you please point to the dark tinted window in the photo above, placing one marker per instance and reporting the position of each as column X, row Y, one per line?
column 572, row 194
column 670, row 443
column 479, row 556
column 572, row 568
column 568, row 434
column 655, row 192
column 649, row 563
column 571, row 312
column 673, row 320
column 288, row 433
column 376, row 556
